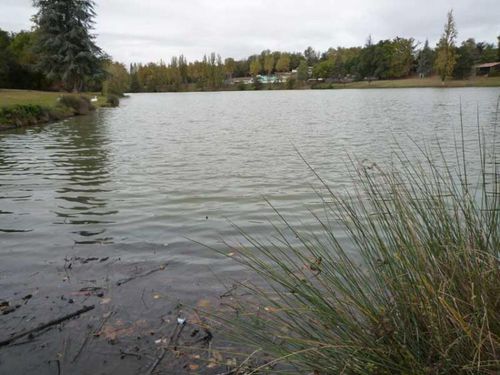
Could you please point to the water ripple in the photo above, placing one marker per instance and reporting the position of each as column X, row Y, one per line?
column 166, row 167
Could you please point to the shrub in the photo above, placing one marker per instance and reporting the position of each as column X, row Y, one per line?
column 113, row 100
column 423, row 300
column 80, row 104
column 323, row 86
column 60, row 112
column 22, row 115
column 257, row 84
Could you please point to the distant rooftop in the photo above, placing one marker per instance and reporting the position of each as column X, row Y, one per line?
column 488, row 65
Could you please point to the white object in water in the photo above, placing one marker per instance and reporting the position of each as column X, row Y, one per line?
column 94, row 99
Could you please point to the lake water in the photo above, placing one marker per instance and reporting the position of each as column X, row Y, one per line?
column 88, row 202
column 166, row 169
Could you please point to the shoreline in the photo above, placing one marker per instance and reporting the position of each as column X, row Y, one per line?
column 408, row 83
column 26, row 108
column 6, row 127
column 128, row 309
column 432, row 82
column 33, row 108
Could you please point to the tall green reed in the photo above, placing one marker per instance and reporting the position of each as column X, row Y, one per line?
column 420, row 294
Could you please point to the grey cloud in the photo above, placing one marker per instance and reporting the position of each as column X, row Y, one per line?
column 138, row 30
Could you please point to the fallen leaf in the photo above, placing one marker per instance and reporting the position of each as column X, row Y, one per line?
column 271, row 309
column 204, row 303
column 193, row 367
column 231, row 362
column 120, row 329
column 217, row 356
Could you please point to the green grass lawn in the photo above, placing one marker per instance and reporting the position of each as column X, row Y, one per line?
column 9, row 98
column 20, row 108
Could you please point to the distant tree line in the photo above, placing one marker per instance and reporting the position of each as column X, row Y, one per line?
column 32, row 60
column 386, row 59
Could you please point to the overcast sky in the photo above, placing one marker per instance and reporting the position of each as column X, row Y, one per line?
column 150, row 30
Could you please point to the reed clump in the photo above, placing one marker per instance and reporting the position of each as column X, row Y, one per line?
column 415, row 291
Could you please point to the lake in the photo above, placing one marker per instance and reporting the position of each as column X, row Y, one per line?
column 149, row 181
column 165, row 169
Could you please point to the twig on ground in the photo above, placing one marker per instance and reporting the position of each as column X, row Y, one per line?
column 128, row 279
column 90, row 335
column 59, row 372
column 174, row 337
column 142, row 299
column 157, row 361
column 242, row 364
column 43, row 326
column 125, row 353
column 229, row 292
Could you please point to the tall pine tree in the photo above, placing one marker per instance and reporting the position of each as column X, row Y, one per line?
column 68, row 51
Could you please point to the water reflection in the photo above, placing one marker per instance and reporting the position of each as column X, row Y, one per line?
column 11, row 192
column 80, row 157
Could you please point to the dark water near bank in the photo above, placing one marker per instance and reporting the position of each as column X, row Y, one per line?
column 94, row 200
column 165, row 169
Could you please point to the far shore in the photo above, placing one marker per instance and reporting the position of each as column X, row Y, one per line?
column 412, row 82
column 417, row 83
column 9, row 97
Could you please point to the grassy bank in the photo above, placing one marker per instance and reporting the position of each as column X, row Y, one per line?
column 20, row 108
column 418, row 295
column 414, row 83
column 9, row 98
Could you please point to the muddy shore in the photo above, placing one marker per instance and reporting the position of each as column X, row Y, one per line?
column 140, row 320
